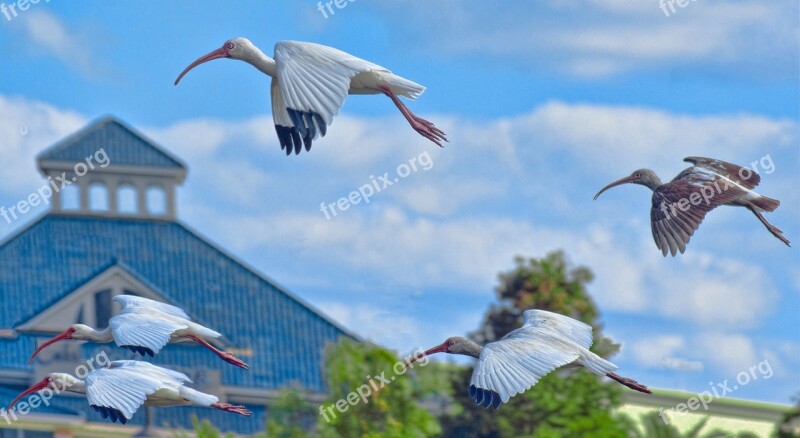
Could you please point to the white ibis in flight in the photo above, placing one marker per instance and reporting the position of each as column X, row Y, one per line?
column 680, row 205
column 119, row 390
column 519, row 359
column 145, row 326
column 310, row 83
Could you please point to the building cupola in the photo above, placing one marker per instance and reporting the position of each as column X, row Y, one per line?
column 109, row 169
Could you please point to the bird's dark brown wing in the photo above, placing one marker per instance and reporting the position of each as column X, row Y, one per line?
column 680, row 206
column 742, row 175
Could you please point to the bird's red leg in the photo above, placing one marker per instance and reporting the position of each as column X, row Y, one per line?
column 772, row 228
column 422, row 126
column 227, row 357
column 630, row 383
column 227, row 407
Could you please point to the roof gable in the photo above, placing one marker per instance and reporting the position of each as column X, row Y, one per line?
column 78, row 306
column 126, row 146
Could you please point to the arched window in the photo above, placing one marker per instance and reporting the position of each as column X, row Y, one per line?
column 126, row 199
column 156, row 201
column 70, row 197
column 98, row 197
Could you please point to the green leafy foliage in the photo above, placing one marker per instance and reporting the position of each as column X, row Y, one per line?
column 203, row 429
column 391, row 411
column 789, row 426
column 290, row 415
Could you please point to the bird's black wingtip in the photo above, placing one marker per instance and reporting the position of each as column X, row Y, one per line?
column 485, row 397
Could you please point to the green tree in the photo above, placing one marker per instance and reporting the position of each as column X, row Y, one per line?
column 568, row 402
column 392, row 411
column 202, row 429
column 789, row 426
column 290, row 415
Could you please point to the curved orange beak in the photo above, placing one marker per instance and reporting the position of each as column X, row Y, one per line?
column 222, row 52
column 627, row 179
column 37, row 387
column 437, row 349
column 62, row 337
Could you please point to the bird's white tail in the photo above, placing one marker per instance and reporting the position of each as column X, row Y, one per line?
column 198, row 398
column 596, row 364
column 204, row 331
column 404, row 87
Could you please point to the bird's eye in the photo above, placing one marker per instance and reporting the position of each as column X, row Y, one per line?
column 450, row 343
column 637, row 175
column 230, row 46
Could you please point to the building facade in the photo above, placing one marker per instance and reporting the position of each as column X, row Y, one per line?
column 113, row 229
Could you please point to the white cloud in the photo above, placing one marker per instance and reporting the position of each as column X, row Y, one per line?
column 198, row 139
column 652, row 351
column 617, row 140
column 597, row 38
column 378, row 325
column 27, row 127
column 467, row 254
column 443, row 198
column 713, row 292
column 731, row 353
column 458, row 224
column 396, row 329
column 49, row 34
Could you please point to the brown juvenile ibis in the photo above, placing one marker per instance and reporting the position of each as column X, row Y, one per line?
column 517, row 361
column 680, row 205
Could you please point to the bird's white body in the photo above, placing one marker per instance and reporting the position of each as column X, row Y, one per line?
column 310, row 83
column 159, row 386
column 152, row 324
column 145, row 326
column 119, row 390
column 313, row 80
column 545, row 342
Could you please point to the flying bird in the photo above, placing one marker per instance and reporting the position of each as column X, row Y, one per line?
column 519, row 359
column 310, row 83
column 680, row 205
column 145, row 326
column 118, row 391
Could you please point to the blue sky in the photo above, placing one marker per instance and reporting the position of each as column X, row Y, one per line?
column 544, row 103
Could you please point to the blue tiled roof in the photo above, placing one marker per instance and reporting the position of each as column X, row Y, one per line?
column 57, row 254
column 122, row 144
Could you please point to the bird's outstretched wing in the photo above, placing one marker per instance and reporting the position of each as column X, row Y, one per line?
column 680, row 206
column 746, row 177
column 313, row 81
column 148, row 369
column 119, row 390
column 559, row 325
column 144, row 334
column 513, row 365
column 288, row 134
column 131, row 303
